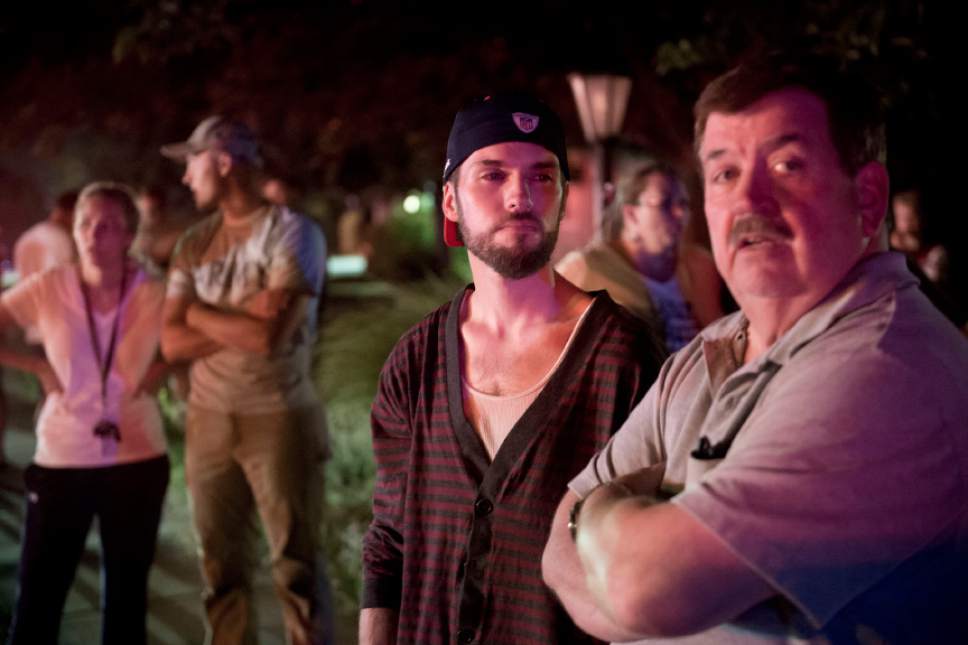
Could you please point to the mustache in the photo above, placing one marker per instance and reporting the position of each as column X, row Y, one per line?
column 754, row 224
column 521, row 216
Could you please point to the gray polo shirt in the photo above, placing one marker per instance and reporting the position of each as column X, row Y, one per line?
column 835, row 464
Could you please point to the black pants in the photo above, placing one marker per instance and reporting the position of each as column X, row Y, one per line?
column 61, row 502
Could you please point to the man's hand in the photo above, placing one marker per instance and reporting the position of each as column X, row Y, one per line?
column 646, row 481
column 267, row 304
column 378, row 626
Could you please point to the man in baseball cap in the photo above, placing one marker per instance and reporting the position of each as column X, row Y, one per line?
column 497, row 119
column 221, row 134
column 488, row 406
column 243, row 291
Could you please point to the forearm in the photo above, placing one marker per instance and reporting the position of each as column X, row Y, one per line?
column 34, row 363
column 158, row 369
column 22, row 360
column 598, row 538
column 563, row 573
column 596, row 550
column 378, row 626
column 180, row 343
column 154, row 376
column 675, row 578
column 237, row 330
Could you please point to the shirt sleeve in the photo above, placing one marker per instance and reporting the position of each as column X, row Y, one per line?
column 383, row 541
column 23, row 300
column 298, row 262
column 180, row 282
column 828, row 489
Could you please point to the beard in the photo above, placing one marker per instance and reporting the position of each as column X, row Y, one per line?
column 512, row 262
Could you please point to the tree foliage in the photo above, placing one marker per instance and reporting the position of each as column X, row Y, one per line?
column 352, row 94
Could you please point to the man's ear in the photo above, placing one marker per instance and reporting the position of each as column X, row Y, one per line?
column 872, row 190
column 224, row 163
column 449, row 202
column 630, row 221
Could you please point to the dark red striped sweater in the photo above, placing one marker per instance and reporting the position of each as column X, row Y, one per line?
column 456, row 539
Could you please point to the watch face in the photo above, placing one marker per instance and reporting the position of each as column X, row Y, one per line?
column 573, row 519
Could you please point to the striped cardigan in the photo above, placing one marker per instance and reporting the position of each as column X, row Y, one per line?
column 456, row 539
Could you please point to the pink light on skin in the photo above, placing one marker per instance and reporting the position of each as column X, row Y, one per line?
column 775, row 164
column 101, row 233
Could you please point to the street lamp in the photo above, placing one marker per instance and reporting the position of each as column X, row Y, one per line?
column 601, row 100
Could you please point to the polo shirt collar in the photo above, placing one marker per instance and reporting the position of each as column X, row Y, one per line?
column 874, row 277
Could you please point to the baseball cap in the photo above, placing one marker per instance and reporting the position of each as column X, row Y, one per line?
column 218, row 133
column 498, row 119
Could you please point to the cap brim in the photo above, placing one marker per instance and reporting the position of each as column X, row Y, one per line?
column 451, row 234
column 177, row 151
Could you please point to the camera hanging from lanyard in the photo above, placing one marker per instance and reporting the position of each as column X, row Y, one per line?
column 106, row 430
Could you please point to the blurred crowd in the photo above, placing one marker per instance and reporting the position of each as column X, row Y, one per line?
column 112, row 296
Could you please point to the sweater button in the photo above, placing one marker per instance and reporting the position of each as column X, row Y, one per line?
column 483, row 507
column 465, row 636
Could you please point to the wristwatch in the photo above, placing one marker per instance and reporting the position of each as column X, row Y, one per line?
column 573, row 519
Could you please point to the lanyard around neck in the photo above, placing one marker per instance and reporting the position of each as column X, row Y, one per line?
column 104, row 365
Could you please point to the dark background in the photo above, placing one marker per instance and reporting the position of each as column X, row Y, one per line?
column 356, row 95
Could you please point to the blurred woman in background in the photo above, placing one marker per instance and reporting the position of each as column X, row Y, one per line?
column 100, row 445
column 643, row 262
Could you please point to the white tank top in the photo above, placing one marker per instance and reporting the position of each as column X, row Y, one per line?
column 496, row 415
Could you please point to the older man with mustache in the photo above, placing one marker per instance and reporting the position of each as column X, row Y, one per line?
column 798, row 472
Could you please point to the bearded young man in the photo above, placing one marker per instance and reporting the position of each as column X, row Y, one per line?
column 489, row 405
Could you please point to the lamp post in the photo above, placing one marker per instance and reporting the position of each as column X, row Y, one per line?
column 601, row 100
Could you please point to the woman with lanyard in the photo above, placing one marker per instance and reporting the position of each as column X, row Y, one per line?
column 100, row 446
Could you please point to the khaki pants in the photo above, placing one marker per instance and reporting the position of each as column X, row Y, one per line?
column 274, row 463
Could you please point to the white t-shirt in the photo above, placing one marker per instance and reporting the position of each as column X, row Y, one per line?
column 53, row 302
